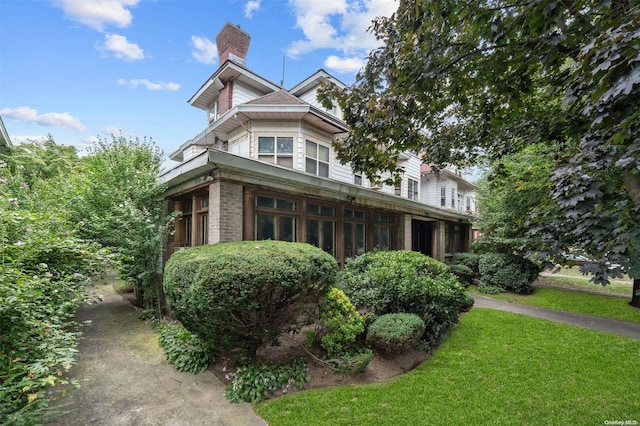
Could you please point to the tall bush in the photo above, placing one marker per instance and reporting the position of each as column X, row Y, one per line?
column 508, row 272
column 119, row 205
column 405, row 282
column 43, row 269
column 245, row 294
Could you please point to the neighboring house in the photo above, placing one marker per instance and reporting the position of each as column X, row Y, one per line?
column 5, row 141
column 446, row 188
column 264, row 168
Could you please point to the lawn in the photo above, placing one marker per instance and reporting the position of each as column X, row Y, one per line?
column 573, row 278
column 573, row 301
column 496, row 368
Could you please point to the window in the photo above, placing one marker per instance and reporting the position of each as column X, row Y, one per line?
column 214, row 111
column 357, row 178
column 397, row 189
column 203, row 229
column 322, row 234
column 468, row 203
column 443, row 197
column 316, row 159
column 413, row 189
column 453, row 198
column 355, row 231
column 460, row 201
column 277, row 150
column 275, row 219
column 382, row 231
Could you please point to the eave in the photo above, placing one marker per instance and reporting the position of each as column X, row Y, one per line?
column 209, row 91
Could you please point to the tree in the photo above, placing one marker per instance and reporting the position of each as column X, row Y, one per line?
column 464, row 81
column 120, row 206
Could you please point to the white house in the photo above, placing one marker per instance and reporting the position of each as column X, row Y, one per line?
column 264, row 168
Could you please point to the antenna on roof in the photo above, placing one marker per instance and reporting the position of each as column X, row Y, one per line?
column 282, row 81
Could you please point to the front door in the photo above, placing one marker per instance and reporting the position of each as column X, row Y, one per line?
column 422, row 236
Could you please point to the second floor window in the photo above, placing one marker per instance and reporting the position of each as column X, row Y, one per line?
column 443, row 197
column 316, row 159
column 413, row 189
column 453, row 198
column 276, row 149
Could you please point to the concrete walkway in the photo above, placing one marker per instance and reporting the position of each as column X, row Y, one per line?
column 622, row 328
column 125, row 378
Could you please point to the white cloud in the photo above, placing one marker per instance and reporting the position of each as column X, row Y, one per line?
column 149, row 85
column 97, row 14
column 250, row 7
column 337, row 24
column 50, row 119
column 205, row 50
column 344, row 65
column 122, row 48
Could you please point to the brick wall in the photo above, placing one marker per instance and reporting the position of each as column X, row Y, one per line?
column 225, row 98
column 232, row 43
column 225, row 212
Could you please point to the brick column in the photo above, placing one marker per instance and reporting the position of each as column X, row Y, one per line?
column 225, row 212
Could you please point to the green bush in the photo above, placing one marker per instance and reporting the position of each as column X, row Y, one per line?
column 464, row 273
column 245, row 294
column 252, row 383
column 468, row 302
column 405, row 281
column 470, row 260
column 508, row 272
column 395, row 333
column 184, row 350
column 489, row 289
column 338, row 324
column 351, row 364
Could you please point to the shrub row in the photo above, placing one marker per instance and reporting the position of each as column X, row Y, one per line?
column 498, row 272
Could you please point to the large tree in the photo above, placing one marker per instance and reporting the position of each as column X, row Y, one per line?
column 463, row 81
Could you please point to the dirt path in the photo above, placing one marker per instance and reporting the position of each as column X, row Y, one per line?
column 125, row 379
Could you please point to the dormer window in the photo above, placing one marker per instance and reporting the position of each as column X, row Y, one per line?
column 276, row 149
column 214, row 111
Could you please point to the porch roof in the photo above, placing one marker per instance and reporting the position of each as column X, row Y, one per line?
column 215, row 164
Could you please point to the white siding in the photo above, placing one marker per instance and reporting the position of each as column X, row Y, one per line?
column 243, row 94
column 311, row 97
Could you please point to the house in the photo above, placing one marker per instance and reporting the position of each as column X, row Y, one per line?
column 448, row 189
column 5, row 141
column 264, row 168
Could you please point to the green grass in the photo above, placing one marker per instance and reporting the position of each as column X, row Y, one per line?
column 573, row 278
column 496, row 368
column 573, row 301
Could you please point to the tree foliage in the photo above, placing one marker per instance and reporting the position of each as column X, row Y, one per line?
column 119, row 205
column 458, row 81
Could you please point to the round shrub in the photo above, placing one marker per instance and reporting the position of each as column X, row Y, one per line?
column 338, row 324
column 392, row 334
column 244, row 294
column 508, row 272
column 405, row 281
column 467, row 303
column 464, row 273
column 470, row 260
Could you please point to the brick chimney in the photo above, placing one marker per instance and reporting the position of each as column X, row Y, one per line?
column 233, row 44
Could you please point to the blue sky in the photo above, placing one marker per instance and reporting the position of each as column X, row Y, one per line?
column 79, row 69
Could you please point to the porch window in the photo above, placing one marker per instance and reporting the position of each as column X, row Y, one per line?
column 355, row 231
column 316, row 159
column 276, row 219
column 382, row 231
column 321, row 227
column 276, row 149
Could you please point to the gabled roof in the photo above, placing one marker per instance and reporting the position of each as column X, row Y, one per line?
column 5, row 141
column 205, row 96
column 315, row 79
column 281, row 97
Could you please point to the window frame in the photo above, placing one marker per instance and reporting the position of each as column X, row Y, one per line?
column 316, row 158
column 276, row 154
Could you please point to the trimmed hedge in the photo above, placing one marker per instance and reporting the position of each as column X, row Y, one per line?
column 508, row 272
column 338, row 324
column 405, row 282
column 393, row 334
column 464, row 273
column 470, row 260
column 245, row 294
